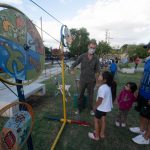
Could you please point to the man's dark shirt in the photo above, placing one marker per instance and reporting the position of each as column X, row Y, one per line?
column 88, row 67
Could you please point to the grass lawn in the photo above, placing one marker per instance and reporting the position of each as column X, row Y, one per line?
column 74, row 137
column 133, row 64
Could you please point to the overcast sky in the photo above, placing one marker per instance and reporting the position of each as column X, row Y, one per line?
column 126, row 21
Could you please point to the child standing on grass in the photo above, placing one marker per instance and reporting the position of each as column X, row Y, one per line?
column 125, row 100
column 102, row 106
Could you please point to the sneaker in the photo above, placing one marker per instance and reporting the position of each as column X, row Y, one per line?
column 136, row 130
column 141, row 140
column 77, row 112
column 92, row 136
column 123, row 125
column 117, row 124
column 92, row 113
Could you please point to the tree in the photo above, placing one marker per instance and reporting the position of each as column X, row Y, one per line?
column 124, row 48
column 103, row 48
column 80, row 42
column 137, row 50
column 47, row 53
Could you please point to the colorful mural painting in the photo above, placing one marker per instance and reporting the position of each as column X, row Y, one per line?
column 15, row 130
column 16, row 127
column 21, row 47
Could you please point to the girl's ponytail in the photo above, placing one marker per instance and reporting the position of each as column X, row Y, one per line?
column 110, row 82
column 114, row 90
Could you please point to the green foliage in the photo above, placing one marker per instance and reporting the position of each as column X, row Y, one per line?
column 141, row 52
column 103, row 48
column 134, row 50
column 47, row 51
column 124, row 48
column 133, row 65
column 114, row 51
column 80, row 42
column 125, row 65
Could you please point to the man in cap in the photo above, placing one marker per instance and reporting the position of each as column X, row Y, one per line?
column 89, row 67
column 144, row 105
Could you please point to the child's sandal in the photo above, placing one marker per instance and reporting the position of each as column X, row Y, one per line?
column 92, row 136
column 102, row 136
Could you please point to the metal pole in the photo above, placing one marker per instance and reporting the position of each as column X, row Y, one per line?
column 63, row 83
column 22, row 99
column 64, row 102
column 42, row 40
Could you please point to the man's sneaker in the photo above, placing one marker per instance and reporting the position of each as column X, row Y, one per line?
column 117, row 124
column 141, row 140
column 136, row 130
column 92, row 136
column 92, row 113
column 123, row 125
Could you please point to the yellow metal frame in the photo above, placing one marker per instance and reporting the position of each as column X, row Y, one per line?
column 64, row 120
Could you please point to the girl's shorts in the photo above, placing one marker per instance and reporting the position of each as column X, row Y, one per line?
column 99, row 114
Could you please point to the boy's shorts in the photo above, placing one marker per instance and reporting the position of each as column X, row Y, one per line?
column 99, row 114
column 143, row 107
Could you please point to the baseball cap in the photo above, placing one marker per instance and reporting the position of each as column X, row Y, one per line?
column 147, row 46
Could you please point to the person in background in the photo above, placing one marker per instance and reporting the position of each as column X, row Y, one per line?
column 125, row 100
column 113, row 68
column 116, row 60
column 114, row 90
column 143, row 105
column 103, row 105
column 136, row 61
column 90, row 69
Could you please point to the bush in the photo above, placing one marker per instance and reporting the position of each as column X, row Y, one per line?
column 126, row 65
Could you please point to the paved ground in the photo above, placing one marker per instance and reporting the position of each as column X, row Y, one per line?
column 7, row 96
